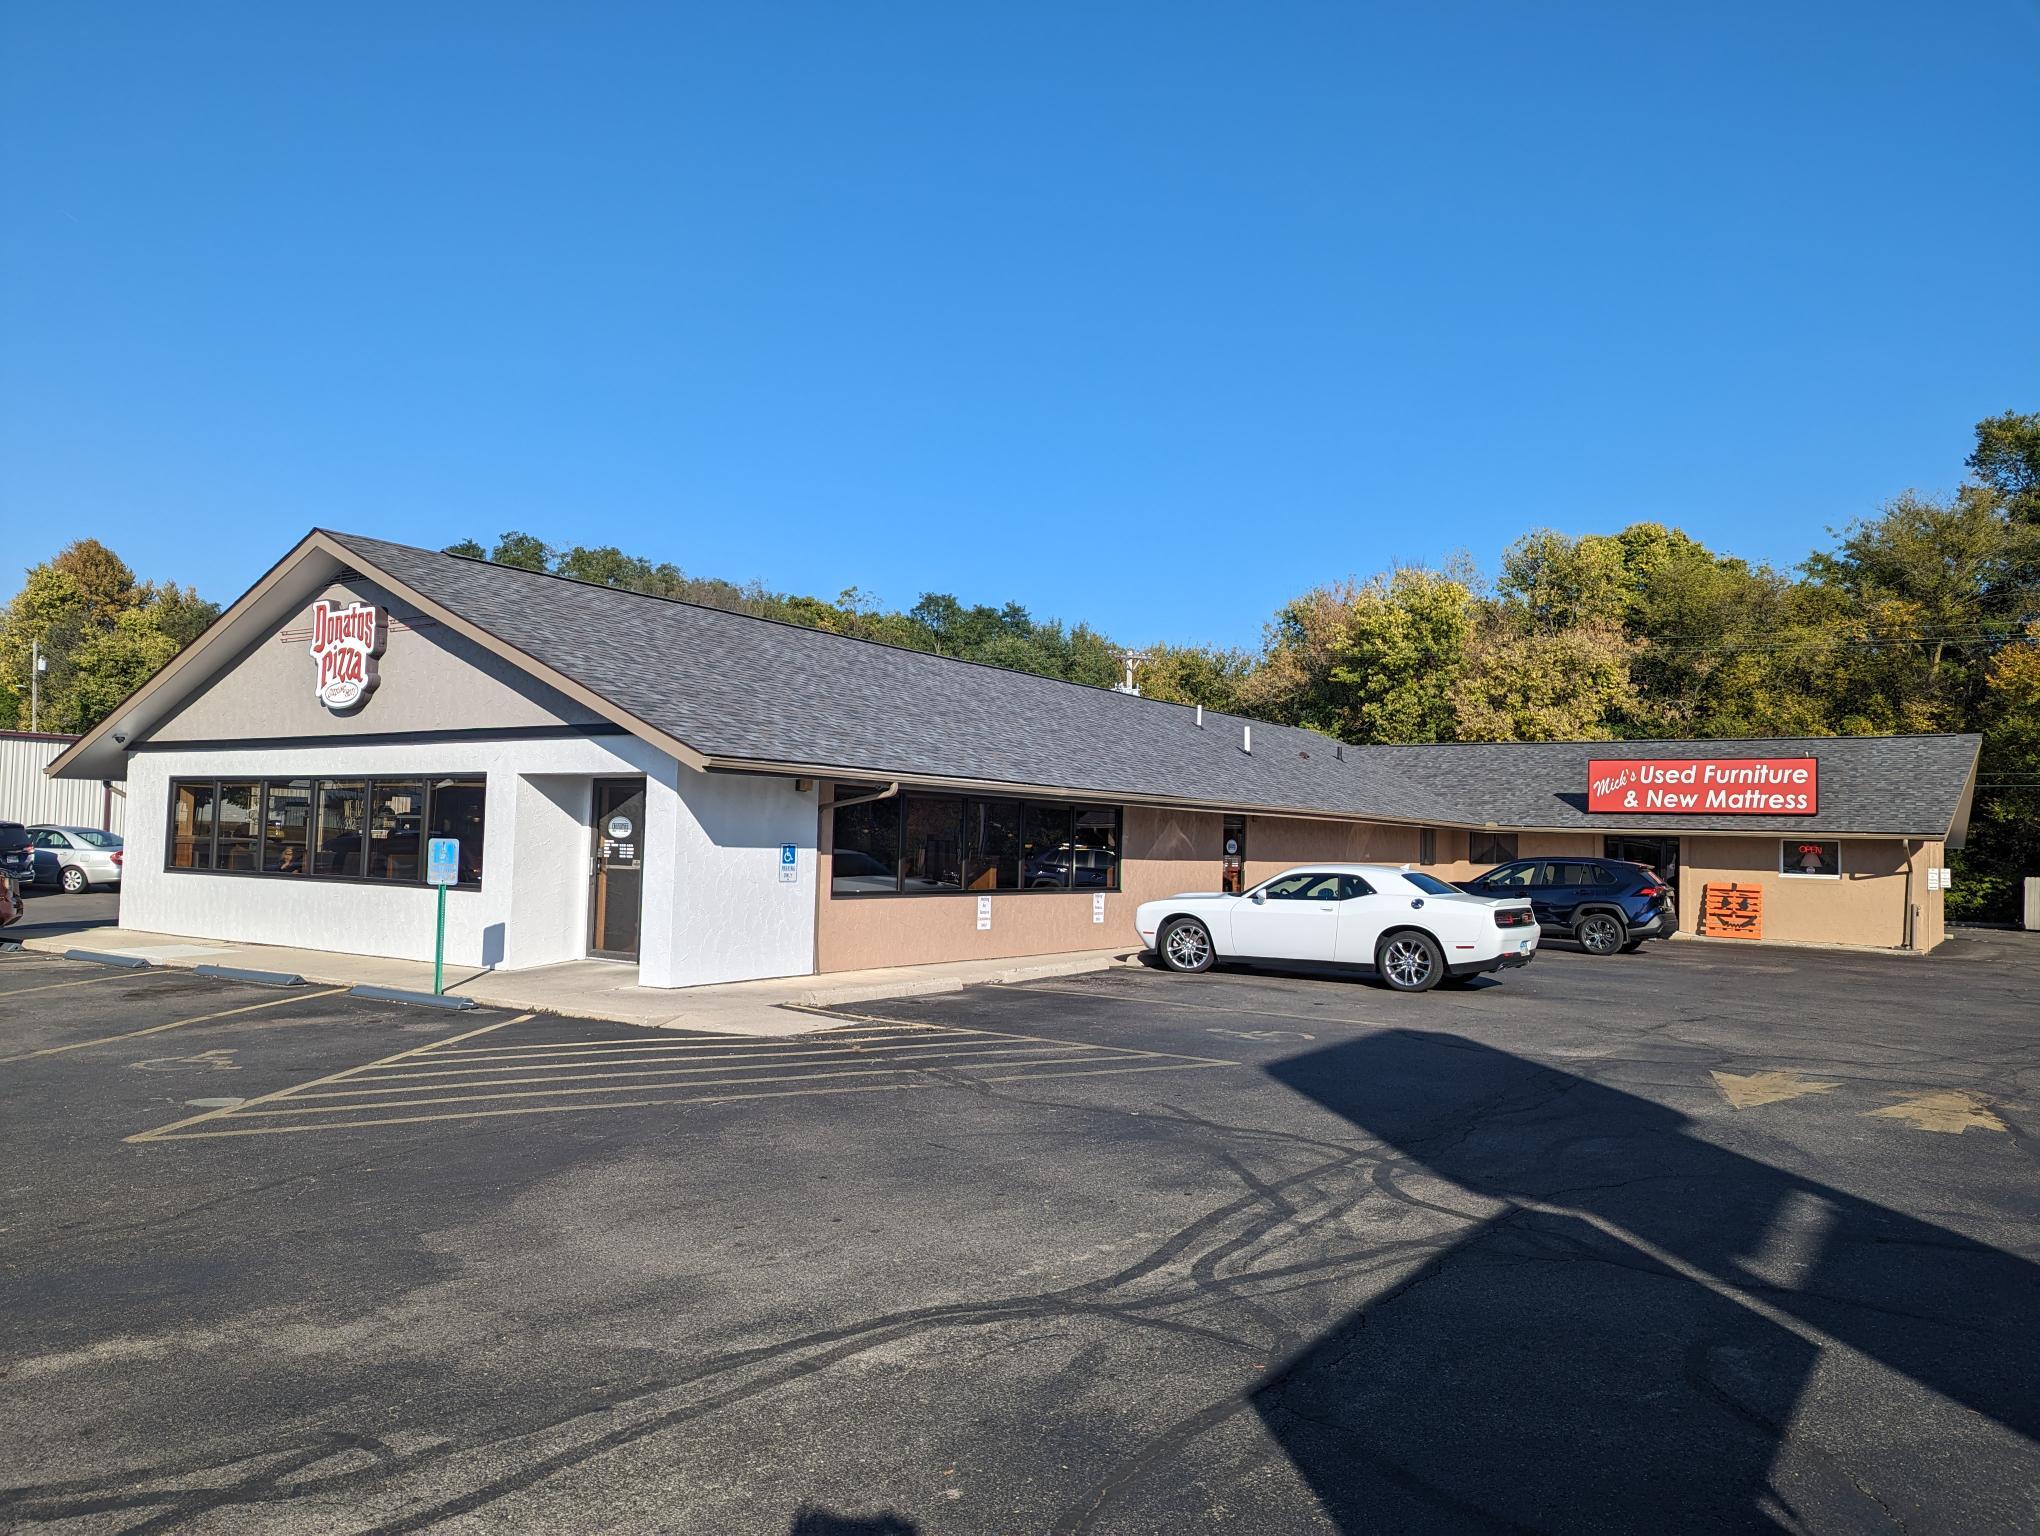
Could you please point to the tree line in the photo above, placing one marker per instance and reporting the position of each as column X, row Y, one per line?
column 1924, row 617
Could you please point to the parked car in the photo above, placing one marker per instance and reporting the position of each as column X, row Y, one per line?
column 76, row 858
column 1608, row 905
column 1412, row 928
column 17, row 853
column 11, row 906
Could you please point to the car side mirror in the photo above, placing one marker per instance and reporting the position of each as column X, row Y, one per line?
column 1258, row 897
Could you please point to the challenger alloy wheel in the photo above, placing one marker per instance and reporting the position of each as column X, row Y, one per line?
column 1410, row 962
column 1186, row 945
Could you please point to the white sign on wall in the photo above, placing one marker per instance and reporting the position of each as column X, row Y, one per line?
column 1098, row 908
column 984, row 914
column 346, row 644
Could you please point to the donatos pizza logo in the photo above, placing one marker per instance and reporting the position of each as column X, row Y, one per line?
column 345, row 645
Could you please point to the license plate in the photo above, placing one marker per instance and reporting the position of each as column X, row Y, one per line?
column 1524, row 946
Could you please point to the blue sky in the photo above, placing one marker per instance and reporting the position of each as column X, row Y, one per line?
column 1152, row 315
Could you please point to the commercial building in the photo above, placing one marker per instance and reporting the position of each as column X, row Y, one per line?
column 713, row 797
column 30, row 796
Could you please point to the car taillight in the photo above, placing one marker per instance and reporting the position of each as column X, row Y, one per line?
column 1513, row 917
column 1652, row 892
column 116, row 858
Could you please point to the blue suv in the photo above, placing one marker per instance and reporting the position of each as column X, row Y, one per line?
column 1607, row 905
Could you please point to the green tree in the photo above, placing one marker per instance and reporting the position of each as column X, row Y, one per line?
column 2007, row 459
column 526, row 551
column 1194, row 674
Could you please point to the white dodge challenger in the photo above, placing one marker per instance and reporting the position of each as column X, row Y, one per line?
column 1413, row 928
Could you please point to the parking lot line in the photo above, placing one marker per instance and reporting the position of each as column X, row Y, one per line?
column 164, row 1130
column 449, row 1082
column 90, row 981
column 157, row 1029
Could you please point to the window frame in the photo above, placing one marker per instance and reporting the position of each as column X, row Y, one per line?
column 315, row 786
column 1495, row 839
column 1805, row 874
column 1074, row 808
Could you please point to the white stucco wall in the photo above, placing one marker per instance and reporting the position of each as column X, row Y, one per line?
column 725, row 915
column 531, row 909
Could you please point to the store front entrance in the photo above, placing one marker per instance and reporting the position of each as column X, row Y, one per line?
column 1659, row 854
column 619, row 869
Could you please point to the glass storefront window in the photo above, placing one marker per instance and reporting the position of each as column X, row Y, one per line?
column 337, row 844
column 191, row 826
column 992, row 836
column 457, row 812
column 396, row 820
column 933, row 856
column 866, row 855
column 237, row 814
column 286, row 826
column 1046, row 849
column 1096, row 841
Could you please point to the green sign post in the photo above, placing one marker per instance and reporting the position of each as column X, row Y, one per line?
column 442, row 868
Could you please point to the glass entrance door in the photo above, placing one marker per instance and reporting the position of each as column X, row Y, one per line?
column 619, row 873
column 1659, row 854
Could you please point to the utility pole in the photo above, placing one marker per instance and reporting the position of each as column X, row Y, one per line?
column 35, row 671
column 1130, row 658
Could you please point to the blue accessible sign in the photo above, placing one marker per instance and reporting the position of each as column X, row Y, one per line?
column 442, row 861
column 789, row 863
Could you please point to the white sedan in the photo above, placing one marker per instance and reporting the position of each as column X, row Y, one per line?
column 1413, row 928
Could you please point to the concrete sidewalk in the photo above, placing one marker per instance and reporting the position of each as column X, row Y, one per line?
column 594, row 989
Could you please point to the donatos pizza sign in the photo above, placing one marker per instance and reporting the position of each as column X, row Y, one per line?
column 346, row 644
column 1705, row 786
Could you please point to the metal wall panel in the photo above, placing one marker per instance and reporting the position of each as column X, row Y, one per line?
column 28, row 795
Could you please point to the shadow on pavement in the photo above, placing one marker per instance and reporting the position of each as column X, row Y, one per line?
column 822, row 1522
column 1625, row 1345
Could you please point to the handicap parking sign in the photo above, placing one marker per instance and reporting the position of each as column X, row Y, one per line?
column 442, row 861
column 789, row 863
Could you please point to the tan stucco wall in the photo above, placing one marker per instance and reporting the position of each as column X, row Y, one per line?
column 1165, row 852
column 432, row 679
column 1867, row 905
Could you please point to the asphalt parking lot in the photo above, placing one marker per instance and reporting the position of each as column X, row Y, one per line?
column 1698, row 1239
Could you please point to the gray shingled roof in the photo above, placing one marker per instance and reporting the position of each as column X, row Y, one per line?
column 1897, row 784
column 733, row 686
column 739, row 688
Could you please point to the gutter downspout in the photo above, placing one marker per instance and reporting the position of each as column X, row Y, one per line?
column 815, row 959
column 1911, row 935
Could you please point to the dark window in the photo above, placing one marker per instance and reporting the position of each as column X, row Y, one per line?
column 1806, row 856
column 238, row 815
column 286, row 826
column 991, row 834
column 458, row 811
column 191, row 826
column 1352, row 887
column 932, row 859
column 1047, row 847
column 1097, row 848
column 1427, row 845
column 346, row 828
column 1429, row 883
column 934, row 844
column 337, row 842
column 1232, row 868
column 1490, row 847
column 867, row 848
column 1513, row 876
column 1310, row 885
column 1575, row 874
column 396, row 821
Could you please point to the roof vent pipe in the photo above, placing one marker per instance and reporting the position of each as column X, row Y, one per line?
column 1246, row 738
column 1200, row 717
column 1339, row 751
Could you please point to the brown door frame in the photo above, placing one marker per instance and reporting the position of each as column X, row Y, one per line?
column 597, row 888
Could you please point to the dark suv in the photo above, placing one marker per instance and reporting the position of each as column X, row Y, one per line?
column 17, row 853
column 1606, row 904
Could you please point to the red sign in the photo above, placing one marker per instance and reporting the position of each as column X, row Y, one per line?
column 1704, row 786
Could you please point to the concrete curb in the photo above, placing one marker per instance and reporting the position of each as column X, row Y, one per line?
column 874, row 991
column 401, row 995
column 256, row 978
column 94, row 957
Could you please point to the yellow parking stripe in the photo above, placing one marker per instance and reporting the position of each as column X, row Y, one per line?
column 90, row 981
column 157, row 1029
